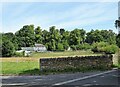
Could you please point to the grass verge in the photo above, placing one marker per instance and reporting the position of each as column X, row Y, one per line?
column 15, row 68
column 30, row 65
column 32, row 68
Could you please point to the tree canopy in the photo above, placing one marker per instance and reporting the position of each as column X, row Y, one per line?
column 55, row 39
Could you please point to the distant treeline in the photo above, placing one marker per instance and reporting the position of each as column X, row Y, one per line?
column 55, row 39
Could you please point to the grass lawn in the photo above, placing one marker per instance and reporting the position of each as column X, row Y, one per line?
column 30, row 65
column 61, row 54
column 16, row 68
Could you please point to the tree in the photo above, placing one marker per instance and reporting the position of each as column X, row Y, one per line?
column 118, row 40
column 0, row 44
column 60, row 47
column 108, row 36
column 46, row 36
column 26, row 36
column 117, row 24
column 65, row 44
column 76, row 37
column 65, row 38
column 101, row 35
column 94, row 36
column 62, row 31
column 38, row 35
column 12, row 38
column 8, row 48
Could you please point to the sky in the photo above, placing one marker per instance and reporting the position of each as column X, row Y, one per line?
column 67, row 15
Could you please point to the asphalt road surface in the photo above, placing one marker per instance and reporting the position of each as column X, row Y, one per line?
column 109, row 78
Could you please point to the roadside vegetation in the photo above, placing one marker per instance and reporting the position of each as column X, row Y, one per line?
column 57, row 39
column 15, row 68
column 30, row 65
column 57, row 42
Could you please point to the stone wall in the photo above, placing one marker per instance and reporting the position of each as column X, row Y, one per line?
column 76, row 62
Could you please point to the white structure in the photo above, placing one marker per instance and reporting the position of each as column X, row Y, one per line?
column 37, row 48
column 26, row 53
column 40, row 48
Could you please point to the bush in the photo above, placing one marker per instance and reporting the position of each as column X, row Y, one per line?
column 104, row 47
column 73, row 47
column 111, row 49
column 79, row 47
column 19, row 54
column 99, row 46
column 86, row 46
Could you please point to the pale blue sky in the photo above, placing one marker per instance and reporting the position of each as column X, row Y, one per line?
column 68, row 15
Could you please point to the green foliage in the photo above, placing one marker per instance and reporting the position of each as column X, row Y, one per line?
column 60, row 47
column 104, row 47
column 0, row 39
column 73, row 47
column 84, row 46
column 8, row 48
column 77, row 36
column 111, row 49
column 26, row 37
column 38, row 35
column 56, row 39
column 93, row 36
column 10, row 36
column 99, row 46
column 101, row 35
column 117, row 23
column 65, row 44
column 17, row 54
column 118, row 40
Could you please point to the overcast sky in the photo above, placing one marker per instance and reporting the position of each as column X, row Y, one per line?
column 68, row 15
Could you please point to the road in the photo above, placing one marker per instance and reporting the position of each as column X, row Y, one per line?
column 109, row 78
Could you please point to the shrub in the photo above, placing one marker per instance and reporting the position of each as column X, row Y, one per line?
column 104, row 47
column 99, row 46
column 73, row 47
column 19, row 54
column 86, row 46
column 111, row 49
column 79, row 47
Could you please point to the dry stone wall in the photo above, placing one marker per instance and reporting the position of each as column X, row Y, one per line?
column 62, row 63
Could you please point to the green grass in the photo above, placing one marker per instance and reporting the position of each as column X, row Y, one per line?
column 30, row 66
column 59, row 54
column 15, row 68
